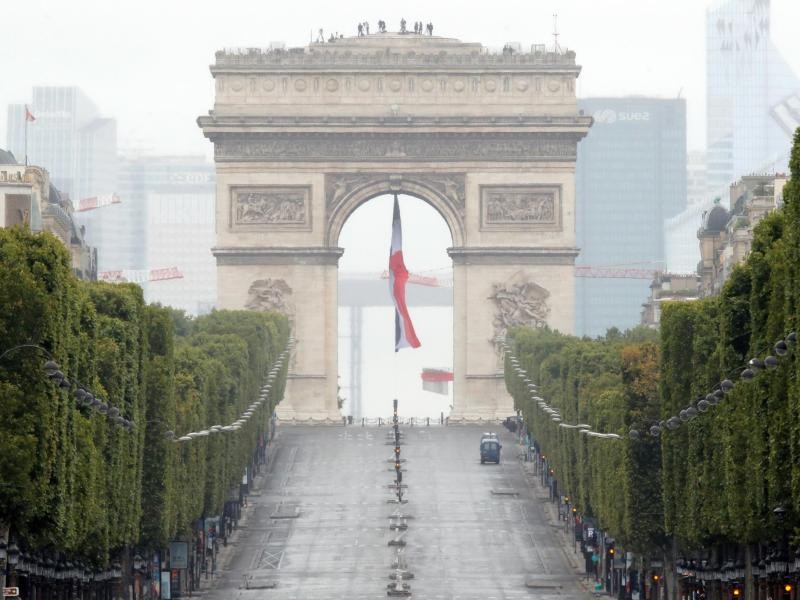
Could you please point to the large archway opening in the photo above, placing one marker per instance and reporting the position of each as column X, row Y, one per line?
column 371, row 373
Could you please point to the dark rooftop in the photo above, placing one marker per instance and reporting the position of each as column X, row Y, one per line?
column 7, row 158
column 716, row 219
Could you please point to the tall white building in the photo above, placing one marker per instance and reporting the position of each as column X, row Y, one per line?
column 179, row 195
column 752, row 105
column 696, row 177
column 680, row 238
column 69, row 138
column 747, row 84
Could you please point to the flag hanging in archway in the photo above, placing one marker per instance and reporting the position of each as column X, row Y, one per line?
column 404, row 335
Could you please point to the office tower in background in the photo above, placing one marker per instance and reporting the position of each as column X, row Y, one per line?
column 630, row 177
column 69, row 138
column 179, row 195
column 752, row 110
column 748, row 84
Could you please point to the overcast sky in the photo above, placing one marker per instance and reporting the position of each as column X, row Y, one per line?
column 145, row 62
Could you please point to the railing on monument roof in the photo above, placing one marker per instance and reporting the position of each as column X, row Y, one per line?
column 328, row 54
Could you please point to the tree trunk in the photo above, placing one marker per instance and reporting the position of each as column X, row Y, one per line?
column 670, row 572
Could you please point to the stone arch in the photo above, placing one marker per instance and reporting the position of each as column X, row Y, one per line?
column 345, row 192
column 329, row 148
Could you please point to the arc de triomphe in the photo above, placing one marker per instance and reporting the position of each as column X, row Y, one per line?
column 304, row 136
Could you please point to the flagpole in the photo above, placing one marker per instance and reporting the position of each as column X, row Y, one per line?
column 394, row 358
column 394, row 376
column 26, row 136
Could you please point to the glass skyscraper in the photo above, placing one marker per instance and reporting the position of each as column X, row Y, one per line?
column 69, row 138
column 746, row 81
column 753, row 108
column 179, row 193
column 630, row 177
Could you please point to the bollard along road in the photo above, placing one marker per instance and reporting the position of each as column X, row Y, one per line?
column 318, row 522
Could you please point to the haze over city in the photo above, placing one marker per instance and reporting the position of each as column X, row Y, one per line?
column 145, row 62
column 139, row 66
column 443, row 300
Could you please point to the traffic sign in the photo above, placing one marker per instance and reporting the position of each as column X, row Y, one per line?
column 10, row 591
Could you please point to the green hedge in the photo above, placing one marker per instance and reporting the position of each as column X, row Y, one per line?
column 69, row 479
column 610, row 384
column 717, row 479
column 726, row 472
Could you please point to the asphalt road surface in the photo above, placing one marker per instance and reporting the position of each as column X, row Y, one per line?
column 319, row 526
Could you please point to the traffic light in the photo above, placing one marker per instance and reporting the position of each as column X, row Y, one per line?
column 736, row 592
column 656, row 578
column 611, row 551
column 787, row 588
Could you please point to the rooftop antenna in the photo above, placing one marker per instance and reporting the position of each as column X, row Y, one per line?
column 556, row 46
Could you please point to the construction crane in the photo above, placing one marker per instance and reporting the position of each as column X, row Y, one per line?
column 94, row 202
column 616, row 272
column 588, row 271
column 139, row 275
column 426, row 280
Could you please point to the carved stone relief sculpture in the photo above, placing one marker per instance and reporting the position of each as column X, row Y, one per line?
column 272, row 295
column 519, row 302
column 521, row 207
column 271, row 207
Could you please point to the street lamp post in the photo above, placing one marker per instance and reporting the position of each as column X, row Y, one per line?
column 779, row 512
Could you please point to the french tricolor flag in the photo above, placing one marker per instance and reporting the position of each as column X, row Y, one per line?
column 404, row 335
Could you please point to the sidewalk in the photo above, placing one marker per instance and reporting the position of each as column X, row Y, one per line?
column 549, row 508
column 227, row 552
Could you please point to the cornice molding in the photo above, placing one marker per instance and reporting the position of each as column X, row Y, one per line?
column 513, row 255
column 392, row 148
column 215, row 124
column 252, row 255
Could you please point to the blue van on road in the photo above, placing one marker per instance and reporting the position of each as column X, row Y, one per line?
column 490, row 449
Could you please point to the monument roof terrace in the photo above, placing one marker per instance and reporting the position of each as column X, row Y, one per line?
column 390, row 51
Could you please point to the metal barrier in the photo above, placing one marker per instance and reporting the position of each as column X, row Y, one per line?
column 409, row 421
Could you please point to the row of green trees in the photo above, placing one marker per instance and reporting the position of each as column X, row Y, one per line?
column 70, row 479
column 716, row 480
column 726, row 473
column 610, row 384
